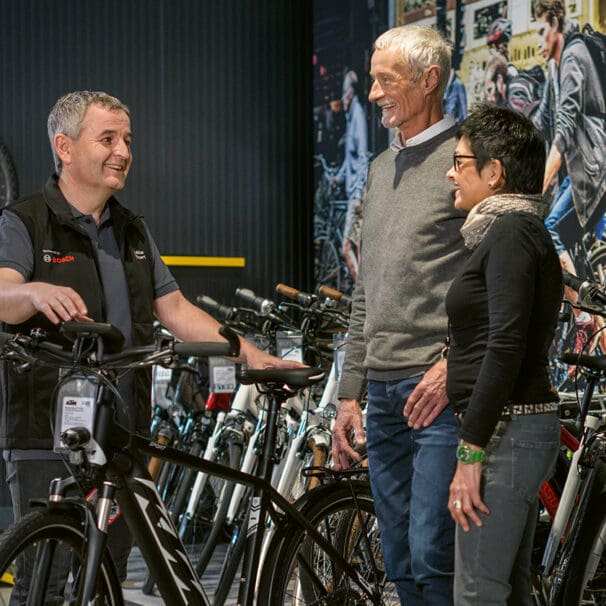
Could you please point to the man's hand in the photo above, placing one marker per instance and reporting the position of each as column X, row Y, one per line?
column 464, row 500
column 428, row 398
column 258, row 360
column 57, row 303
column 348, row 426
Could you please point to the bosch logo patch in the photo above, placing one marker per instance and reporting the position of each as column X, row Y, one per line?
column 54, row 257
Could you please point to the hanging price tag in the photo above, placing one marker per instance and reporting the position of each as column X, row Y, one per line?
column 75, row 407
column 160, row 381
column 222, row 375
column 259, row 341
column 289, row 345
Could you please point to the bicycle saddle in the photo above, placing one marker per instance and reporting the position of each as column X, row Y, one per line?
column 293, row 377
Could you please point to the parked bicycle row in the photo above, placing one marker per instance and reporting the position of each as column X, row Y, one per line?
column 257, row 441
column 228, row 423
column 568, row 561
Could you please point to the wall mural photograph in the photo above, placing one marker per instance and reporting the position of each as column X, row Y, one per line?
column 545, row 58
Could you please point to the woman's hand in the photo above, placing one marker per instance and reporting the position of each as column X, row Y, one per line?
column 464, row 501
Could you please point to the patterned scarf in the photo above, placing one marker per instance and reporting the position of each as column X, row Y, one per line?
column 482, row 215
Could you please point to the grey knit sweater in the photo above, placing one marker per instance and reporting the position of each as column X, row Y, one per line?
column 411, row 250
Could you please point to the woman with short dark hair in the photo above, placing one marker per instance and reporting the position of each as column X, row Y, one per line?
column 502, row 308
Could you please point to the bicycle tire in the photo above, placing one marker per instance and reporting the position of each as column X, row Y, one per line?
column 298, row 572
column 59, row 536
column 223, row 491
column 585, row 581
column 234, row 553
column 9, row 183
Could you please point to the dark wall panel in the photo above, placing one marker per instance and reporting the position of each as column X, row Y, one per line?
column 219, row 92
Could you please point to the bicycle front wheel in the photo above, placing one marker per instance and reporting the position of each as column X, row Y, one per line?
column 299, row 572
column 42, row 560
column 585, row 581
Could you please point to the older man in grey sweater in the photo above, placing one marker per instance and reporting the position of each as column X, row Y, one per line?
column 411, row 249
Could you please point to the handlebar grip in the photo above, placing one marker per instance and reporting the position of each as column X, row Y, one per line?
column 287, row 291
column 203, row 349
column 299, row 296
column 212, row 305
column 336, row 295
column 330, row 293
column 263, row 305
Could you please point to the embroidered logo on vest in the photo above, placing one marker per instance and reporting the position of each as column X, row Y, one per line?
column 140, row 255
column 53, row 256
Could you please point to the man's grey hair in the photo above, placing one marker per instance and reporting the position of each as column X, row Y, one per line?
column 68, row 113
column 420, row 46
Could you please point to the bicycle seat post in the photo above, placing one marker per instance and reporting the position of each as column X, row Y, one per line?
column 276, row 396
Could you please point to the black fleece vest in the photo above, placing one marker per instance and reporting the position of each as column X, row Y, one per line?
column 64, row 254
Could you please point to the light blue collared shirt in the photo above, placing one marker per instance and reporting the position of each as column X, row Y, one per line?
column 429, row 133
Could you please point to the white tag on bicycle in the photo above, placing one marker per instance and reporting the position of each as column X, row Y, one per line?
column 222, row 373
column 289, row 345
column 338, row 344
column 75, row 407
column 160, row 383
column 259, row 341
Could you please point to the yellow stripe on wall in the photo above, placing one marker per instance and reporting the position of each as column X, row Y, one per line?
column 204, row 261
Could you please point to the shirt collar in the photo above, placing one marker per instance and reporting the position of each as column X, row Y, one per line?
column 79, row 216
column 445, row 123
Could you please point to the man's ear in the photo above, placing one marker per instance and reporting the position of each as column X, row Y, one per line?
column 63, row 147
column 431, row 78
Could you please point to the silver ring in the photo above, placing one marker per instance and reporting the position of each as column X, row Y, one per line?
column 457, row 504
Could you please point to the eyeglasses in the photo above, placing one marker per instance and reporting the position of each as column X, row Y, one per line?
column 456, row 160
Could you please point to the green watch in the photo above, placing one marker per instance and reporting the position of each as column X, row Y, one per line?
column 466, row 455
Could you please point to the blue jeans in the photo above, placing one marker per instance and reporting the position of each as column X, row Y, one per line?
column 410, row 474
column 561, row 208
column 493, row 562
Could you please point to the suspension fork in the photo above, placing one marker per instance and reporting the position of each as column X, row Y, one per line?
column 96, row 538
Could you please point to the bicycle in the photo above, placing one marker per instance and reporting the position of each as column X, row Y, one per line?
column 572, row 568
column 109, row 456
column 329, row 222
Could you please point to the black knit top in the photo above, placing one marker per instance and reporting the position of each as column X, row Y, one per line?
column 503, row 308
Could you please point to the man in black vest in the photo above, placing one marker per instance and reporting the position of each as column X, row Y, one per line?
column 72, row 252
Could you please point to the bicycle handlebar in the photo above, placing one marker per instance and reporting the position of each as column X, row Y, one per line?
column 34, row 347
column 592, row 298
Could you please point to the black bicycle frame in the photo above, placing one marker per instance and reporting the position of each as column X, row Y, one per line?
column 155, row 533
